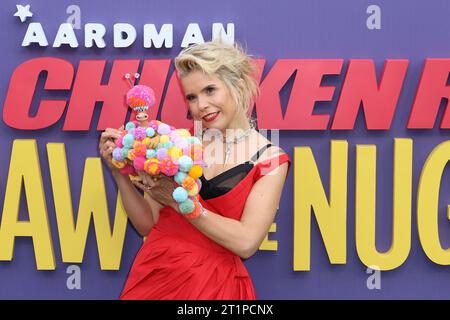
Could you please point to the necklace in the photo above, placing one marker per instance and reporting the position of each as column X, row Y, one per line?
column 236, row 140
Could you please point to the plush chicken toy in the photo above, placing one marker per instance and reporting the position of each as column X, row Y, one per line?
column 157, row 148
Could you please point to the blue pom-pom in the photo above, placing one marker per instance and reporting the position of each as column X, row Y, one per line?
column 179, row 177
column 151, row 153
column 130, row 125
column 185, row 163
column 128, row 140
column 150, row 132
column 187, row 206
column 161, row 153
column 180, row 194
column 131, row 131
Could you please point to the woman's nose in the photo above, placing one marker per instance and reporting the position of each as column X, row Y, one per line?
column 202, row 103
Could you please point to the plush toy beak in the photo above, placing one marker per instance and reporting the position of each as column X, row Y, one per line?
column 142, row 116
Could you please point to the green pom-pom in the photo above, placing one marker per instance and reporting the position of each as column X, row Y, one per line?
column 167, row 145
column 195, row 140
column 179, row 177
column 125, row 152
column 130, row 125
column 187, row 206
column 128, row 140
column 150, row 132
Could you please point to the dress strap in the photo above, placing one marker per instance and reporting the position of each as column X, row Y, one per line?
column 257, row 154
column 266, row 166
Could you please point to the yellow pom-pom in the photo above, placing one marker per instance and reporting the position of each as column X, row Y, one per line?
column 175, row 153
column 196, row 171
column 151, row 166
column 146, row 141
column 164, row 138
column 183, row 133
column 118, row 164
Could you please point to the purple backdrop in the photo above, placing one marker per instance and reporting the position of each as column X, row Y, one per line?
column 275, row 30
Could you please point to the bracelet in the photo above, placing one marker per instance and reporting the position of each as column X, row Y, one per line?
column 203, row 211
column 199, row 210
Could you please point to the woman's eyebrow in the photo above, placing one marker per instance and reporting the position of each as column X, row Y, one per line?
column 208, row 86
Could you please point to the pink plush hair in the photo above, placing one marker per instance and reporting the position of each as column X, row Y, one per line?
column 140, row 96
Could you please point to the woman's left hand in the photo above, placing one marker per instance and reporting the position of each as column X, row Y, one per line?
column 160, row 189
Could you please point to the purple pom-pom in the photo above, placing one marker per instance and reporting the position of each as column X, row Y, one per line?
column 117, row 154
column 161, row 153
column 140, row 133
column 182, row 143
column 163, row 128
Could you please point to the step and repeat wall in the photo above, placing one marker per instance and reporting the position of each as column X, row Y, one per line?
column 356, row 92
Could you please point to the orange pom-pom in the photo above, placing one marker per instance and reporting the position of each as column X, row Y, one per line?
column 131, row 154
column 140, row 149
column 194, row 191
column 189, row 183
column 194, row 214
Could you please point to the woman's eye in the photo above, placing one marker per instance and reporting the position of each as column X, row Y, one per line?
column 209, row 90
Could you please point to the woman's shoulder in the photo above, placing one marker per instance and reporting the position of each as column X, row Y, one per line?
column 271, row 152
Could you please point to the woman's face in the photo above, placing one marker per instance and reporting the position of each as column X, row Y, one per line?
column 209, row 100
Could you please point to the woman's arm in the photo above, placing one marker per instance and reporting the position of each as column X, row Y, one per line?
column 245, row 236
column 241, row 237
column 142, row 214
column 138, row 209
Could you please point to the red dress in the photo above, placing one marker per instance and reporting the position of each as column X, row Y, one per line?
column 179, row 262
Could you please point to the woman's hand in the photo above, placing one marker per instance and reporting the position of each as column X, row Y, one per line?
column 107, row 145
column 160, row 188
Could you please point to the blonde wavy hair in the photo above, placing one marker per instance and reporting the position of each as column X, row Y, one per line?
column 229, row 63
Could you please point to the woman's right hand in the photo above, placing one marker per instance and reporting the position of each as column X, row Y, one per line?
column 107, row 145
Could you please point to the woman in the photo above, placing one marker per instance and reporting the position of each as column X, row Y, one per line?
column 201, row 257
